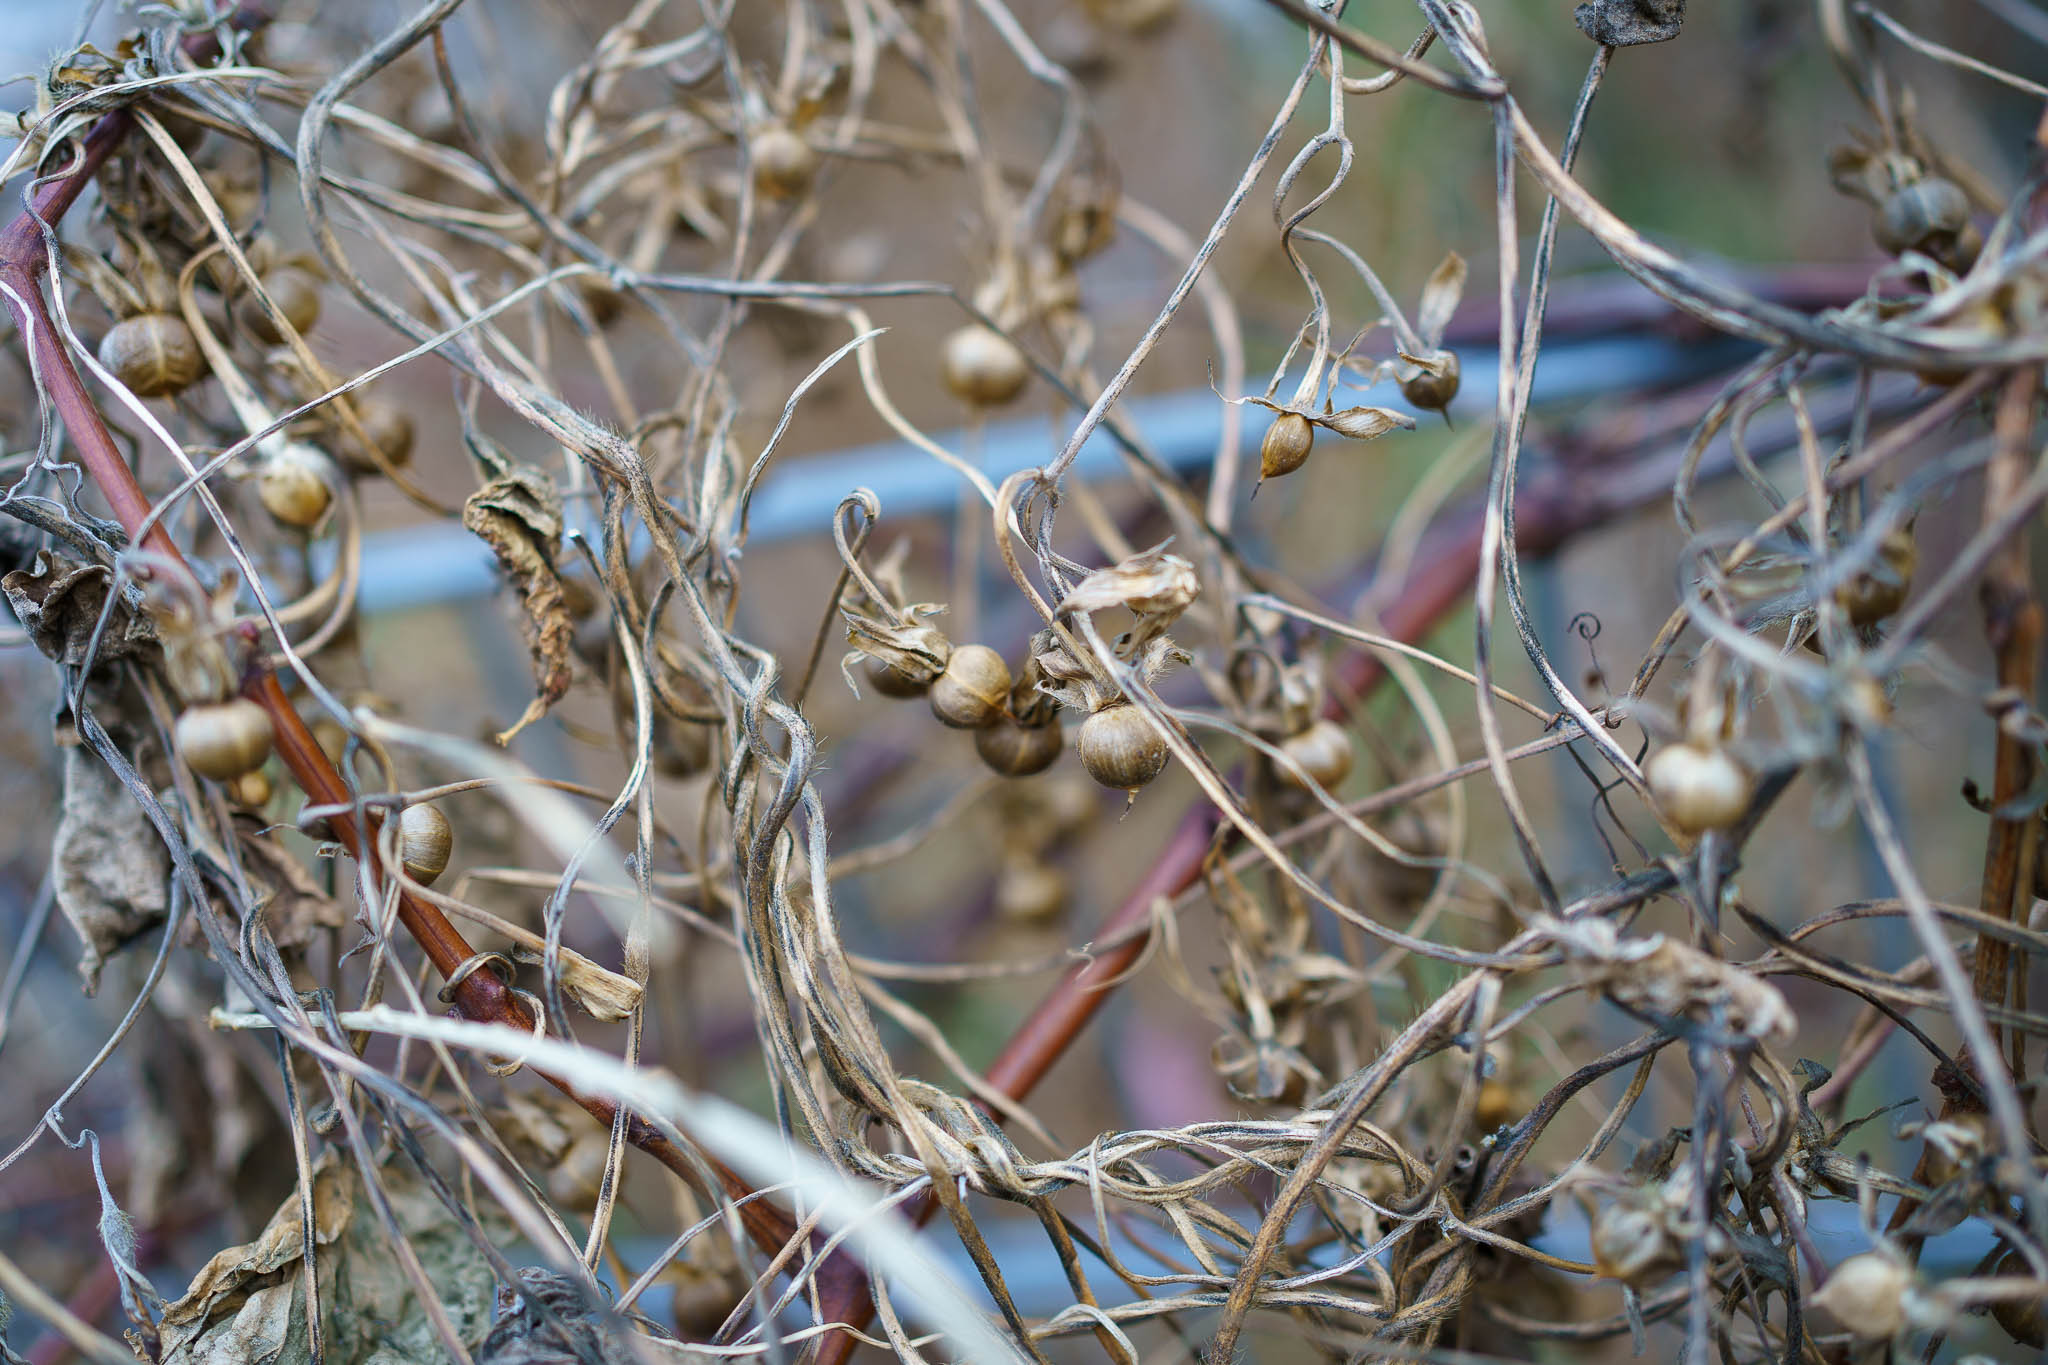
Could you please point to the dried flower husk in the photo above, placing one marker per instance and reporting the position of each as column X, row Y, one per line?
column 916, row 651
column 519, row 515
column 1663, row 978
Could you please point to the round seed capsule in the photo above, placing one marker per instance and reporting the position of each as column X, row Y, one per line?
column 1324, row 752
column 983, row 366
column 297, row 296
column 1698, row 788
column 223, row 740
column 1927, row 215
column 424, row 842
column 1030, row 890
column 892, row 681
column 1870, row 597
column 1434, row 392
column 1119, row 747
column 1867, row 1294
column 152, row 353
column 973, row 690
column 1016, row 750
column 784, row 164
column 1286, row 446
column 293, row 485
column 390, row 431
column 251, row 789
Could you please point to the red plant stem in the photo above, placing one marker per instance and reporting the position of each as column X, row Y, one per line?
column 480, row 996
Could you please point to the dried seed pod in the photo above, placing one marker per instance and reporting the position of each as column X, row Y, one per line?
column 1324, row 752
column 1872, row 596
column 1016, row 750
column 892, row 681
column 251, row 789
column 424, row 842
column 1698, row 787
column 1867, row 1294
column 1927, row 215
column 973, row 690
column 983, row 366
column 152, row 353
column 784, row 164
column 1433, row 392
column 1030, row 890
column 1119, row 747
column 390, row 431
column 295, row 485
column 297, row 296
column 1632, row 1244
column 1286, row 445
column 223, row 740
column 2025, row 1320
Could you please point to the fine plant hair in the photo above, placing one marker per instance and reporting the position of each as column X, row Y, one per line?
column 391, row 983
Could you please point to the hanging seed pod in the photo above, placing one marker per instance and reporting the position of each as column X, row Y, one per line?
column 1928, row 215
column 983, row 366
column 972, row 691
column 1286, row 445
column 1120, row 749
column 1030, row 890
column 152, row 353
column 2025, row 1320
column 1867, row 1294
column 223, row 740
column 297, row 296
column 1432, row 391
column 784, row 164
column 1873, row 596
column 390, row 430
column 892, row 681
column 1632, row 1244
column 1324, row 752
column 1017, row 750
column 1698, row 787
column 251, row 789
column 295, row 485
column 424, row 842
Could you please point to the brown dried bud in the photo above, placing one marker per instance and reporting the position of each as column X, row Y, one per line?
column 1435, row 382
column 1867, row 1294
column 1698, row 787
column 1323, row 751
column 295, row 485
column 1017, row 750
column 1120, row 749
column 424, row 841
column 1286, row 446
column 973, row 690
column 152, row 353
column 297, row 296
column 1880, row 591
column 784, row 164
column 223, row 740
column 983, row 366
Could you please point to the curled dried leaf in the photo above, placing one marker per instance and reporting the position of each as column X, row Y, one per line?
column 1440, row 295
column 604, row 994
column 519, row 514
column 59, row 602
column 111, row 873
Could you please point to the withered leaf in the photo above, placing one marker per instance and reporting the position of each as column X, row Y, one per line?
column 59, row 601
column 111, row 871
column 519, row 514
column 552, row 1322
column 248, row 1303
column 293, row 905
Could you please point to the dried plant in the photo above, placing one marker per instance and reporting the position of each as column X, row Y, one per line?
column 604, row 320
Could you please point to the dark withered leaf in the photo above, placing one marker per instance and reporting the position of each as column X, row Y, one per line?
column 1630, row 23
column 293, row 905
column 519, row 514
column 59, row 601
column 112, row 873
column 553, row 1323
